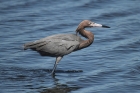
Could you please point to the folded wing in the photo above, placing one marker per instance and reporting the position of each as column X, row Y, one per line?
column 56, row 45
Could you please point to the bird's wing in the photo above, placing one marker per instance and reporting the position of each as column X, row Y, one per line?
column 55, row 45
column 59, row 47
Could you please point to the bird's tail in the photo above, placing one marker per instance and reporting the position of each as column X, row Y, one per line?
column 34, row 45
column 28, row 45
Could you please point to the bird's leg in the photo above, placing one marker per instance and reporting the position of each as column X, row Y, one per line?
column 55, row 65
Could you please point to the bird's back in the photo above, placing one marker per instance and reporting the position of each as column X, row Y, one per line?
column 55, row 45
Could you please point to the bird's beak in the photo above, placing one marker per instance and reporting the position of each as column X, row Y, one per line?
column 98, row 25
column 105, row 26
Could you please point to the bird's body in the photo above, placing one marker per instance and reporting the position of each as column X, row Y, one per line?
column 55, row 45
column 60, row 45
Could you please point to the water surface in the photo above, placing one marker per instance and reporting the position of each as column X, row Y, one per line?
column 110, row 65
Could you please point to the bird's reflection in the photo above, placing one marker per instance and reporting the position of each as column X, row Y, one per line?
column 59, row 88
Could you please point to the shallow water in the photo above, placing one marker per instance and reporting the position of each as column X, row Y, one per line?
column 110, row 65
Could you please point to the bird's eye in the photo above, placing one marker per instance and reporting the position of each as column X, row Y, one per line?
column 90, row 23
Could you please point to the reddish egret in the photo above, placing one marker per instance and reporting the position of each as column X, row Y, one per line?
column 63, row 44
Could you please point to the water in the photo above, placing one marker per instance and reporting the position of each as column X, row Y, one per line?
column 110, row 65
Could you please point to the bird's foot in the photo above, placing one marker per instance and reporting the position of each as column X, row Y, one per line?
column 53, row 74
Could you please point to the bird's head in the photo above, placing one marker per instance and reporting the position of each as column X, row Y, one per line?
column 88, row 23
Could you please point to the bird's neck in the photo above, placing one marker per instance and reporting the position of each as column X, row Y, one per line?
column 87, row 34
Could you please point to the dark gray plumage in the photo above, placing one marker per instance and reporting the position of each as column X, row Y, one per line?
column 63, row 44
column 55, row 45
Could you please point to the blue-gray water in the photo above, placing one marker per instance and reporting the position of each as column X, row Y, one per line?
column 110, row 65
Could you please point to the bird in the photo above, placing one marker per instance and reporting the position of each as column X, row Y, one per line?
column 59, row 45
